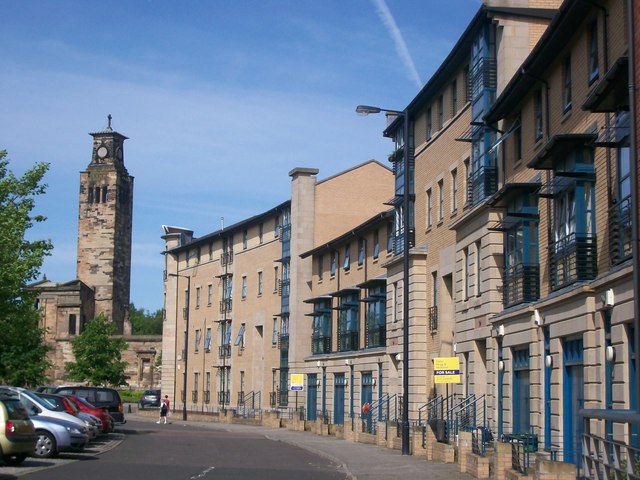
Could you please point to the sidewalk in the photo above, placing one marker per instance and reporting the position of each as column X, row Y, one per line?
column 360, row 461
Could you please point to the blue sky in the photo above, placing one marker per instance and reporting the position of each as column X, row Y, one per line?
column 220, row 101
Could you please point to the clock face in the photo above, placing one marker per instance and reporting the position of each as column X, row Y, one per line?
column 102, row 152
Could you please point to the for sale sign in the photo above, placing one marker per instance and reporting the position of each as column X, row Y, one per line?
column 446, row 370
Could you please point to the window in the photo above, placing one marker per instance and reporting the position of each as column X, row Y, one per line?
column 376, row 244
column 349, row 323
column 276, row 283
column 240, row 337
column 537, row 112
column 454, row 97
column 259, row 283
column 276, row 228
column 197, row 340
column 322, row 327
column 361, row 251
column 429, row 124
column 440, row 112
column 197, row 297
column 467, row 85
column 454, row 190
column 428, row 208
column 517, row 139
column 621, row 219
column 261, row 233
column 207, row 341
column 394, row 307
column 320, row 266
column 244, row 286
column 478, row 267
column 72, row 324
column 209, row 294
column 227, row 284
column 347, row 256
column 465, row 273
column 440, row 200
column 332, row 270
column 274, row 333
column 376, row 322
column 389, row 237
column 211, row 251
column 245, row 239
column 566, row 84
column 594, row 64
column 226, row 333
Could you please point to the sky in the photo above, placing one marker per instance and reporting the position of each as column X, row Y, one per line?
column 219, row 99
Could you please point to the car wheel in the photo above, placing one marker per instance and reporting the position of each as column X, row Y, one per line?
column 13, row 459
column 46, row 445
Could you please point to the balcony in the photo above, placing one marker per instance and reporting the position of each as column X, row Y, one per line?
column 349, row 341
column 194, row 396
column 320, row 344
column 482, row 184
column 572, row 258
column 226, row 305
column 521, row 284
column 273, row 399
column 376, row 336
column 224, row 397
column 241, row 397
column 433, row 319
column 283, row 341
column 620, row 232
column 226, row 258
column 206, row 396
column 224, row 351
column 483, row 76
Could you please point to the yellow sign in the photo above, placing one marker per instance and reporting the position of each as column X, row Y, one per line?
column 446, row 370
column 297, row 382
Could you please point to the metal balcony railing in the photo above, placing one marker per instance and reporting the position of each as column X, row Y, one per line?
column 194, row 396
column 283, row 341
column 521, row 284
column 482, row 183
column 224, row 351
column 620, row 232
column 224, row 397
column 226, row 305
column 273, row 399
column 433, row 319
column 206, row 396
column 349, row 341
column 226, row 258
column 320, row 344
column 376, row 336
column 572, row 258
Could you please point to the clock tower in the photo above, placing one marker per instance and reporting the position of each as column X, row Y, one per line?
column 104, row 227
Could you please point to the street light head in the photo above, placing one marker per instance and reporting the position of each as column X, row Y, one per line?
column 367, row 110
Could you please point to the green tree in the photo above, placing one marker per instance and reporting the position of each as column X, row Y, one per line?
column 98, row 355
column 23, row 359
column 144, row 322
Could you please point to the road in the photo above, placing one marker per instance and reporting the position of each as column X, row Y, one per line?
column 187, row 452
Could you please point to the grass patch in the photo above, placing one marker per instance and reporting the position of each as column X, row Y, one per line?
column 130, row 396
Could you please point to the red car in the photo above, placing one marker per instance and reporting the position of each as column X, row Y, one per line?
column 101, row 413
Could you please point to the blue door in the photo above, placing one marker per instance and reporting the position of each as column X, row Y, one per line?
column 573, row 401
column 521, row 396
column 338, row 399
column 312, row 396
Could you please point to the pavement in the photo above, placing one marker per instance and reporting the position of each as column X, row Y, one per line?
column 360, row 461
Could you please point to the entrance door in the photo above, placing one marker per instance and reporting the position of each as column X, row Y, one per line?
column 338, row 399
column 573, row 401
column 312, row 396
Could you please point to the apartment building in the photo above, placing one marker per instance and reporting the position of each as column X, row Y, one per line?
column 347, row 365
column 235, row 320
column 451, row 171
column 564, row 338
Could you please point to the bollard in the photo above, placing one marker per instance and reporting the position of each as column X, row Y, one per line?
column 129, row 411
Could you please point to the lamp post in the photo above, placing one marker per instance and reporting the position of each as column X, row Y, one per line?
column 186, row 341
column 366, row 110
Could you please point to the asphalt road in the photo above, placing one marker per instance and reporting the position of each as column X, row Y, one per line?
column 186, row 452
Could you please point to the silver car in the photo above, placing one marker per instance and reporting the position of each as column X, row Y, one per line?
column 55, row 436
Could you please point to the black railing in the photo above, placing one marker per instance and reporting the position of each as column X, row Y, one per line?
column 241, row 397
column 273, row 399
column 224, row 397
column 206, row 396
column 283, row 341
column 194, row 396
column 522, row 446
column 349, row 341
column 433, row 319
column 620, row 232
column 376, row 336
column 225, row 305
column 226, row 258
column 483, row 75
column 572, row 258
column 482, row 183
column 521, row 284
column 224, row 351
column 320, row 344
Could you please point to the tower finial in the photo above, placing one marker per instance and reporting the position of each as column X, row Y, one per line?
column 109, row 117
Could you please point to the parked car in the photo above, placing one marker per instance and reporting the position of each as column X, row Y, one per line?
column 37, row 406
column 101, row 413
column 99, row 397
column 17, row 432
column 150, row 398
column 61, row 404
column 55, row 436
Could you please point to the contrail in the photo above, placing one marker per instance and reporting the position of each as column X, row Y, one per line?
column 401, row 46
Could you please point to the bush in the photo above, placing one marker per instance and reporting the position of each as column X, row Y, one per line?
column 130, row 396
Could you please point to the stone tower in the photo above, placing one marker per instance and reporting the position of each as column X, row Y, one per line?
column 104, row 227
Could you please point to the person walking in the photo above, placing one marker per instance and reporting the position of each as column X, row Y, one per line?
column 164, row 410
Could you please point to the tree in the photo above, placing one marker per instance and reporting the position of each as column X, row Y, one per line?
column 143, row 322
column 23, row 359
column 98, row 355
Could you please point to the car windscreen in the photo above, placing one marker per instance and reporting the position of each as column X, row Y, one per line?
column 15, row 409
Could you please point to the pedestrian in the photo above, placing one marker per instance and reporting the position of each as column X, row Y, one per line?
column 164, row 410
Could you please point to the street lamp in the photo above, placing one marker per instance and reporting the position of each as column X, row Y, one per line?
column 366, row 110
column 186, row 341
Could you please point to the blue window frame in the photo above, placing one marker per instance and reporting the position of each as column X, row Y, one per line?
column 376, row 320
column 349, row 323
column 332, row 270
column 322, row 327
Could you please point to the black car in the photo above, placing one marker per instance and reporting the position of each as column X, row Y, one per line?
column 150, row 398
column 101, row 397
